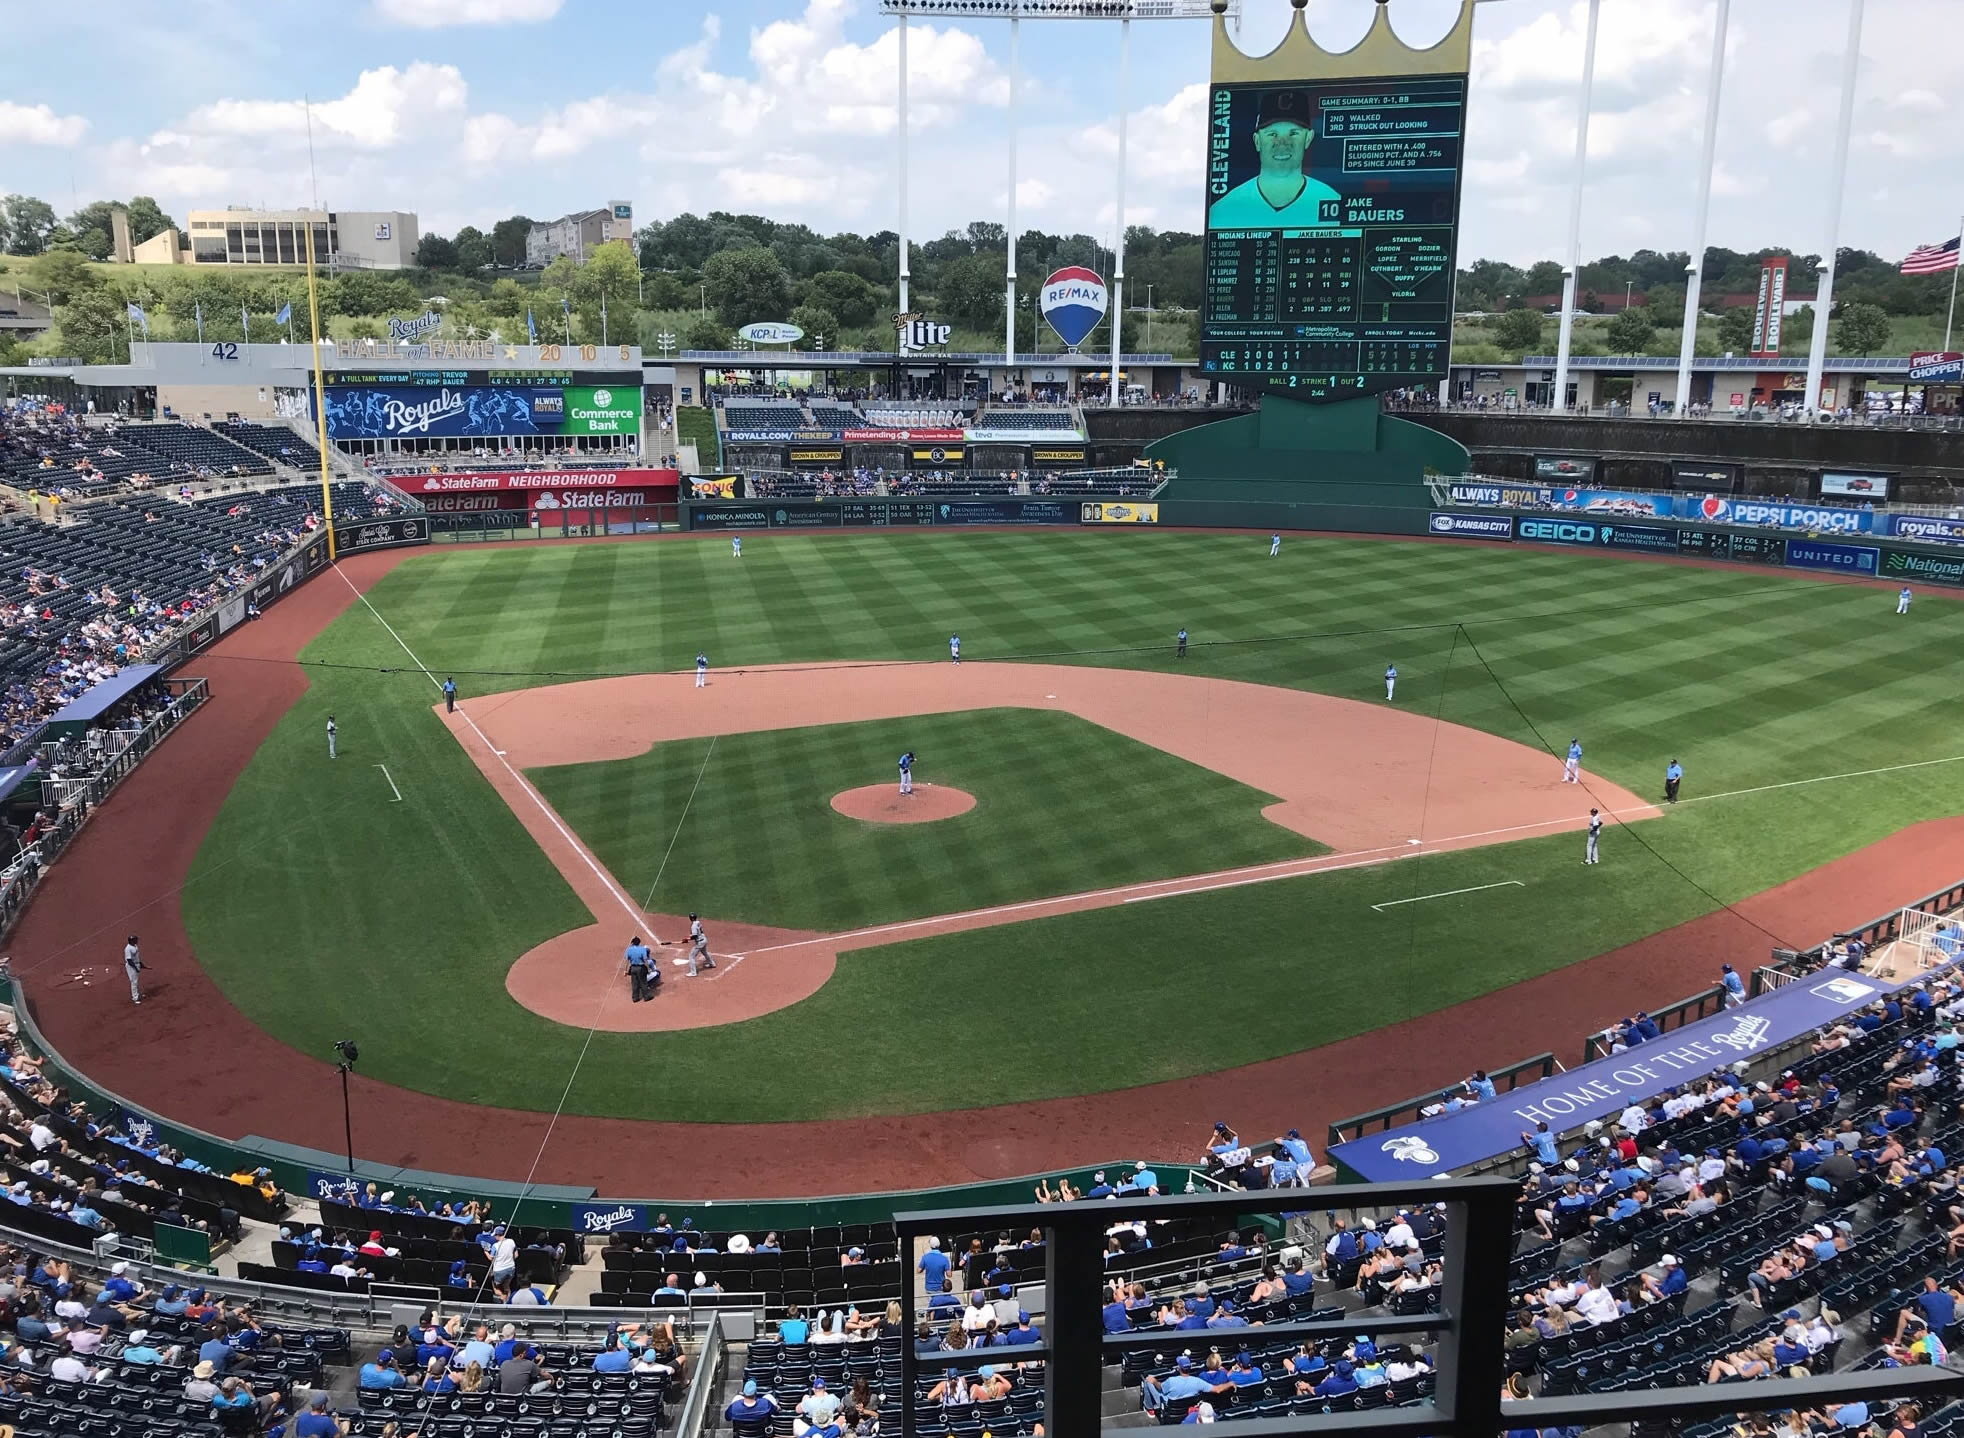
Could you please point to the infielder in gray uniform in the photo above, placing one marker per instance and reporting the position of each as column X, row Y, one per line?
column 1595, row 833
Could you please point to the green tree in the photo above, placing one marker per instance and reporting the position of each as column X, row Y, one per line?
column 29, row 223
column 705, row 332
column 1631, row 332
column 611, row 271
column 820, row 325
column 970, row 289
column 63, row 274
column 473, row 248
column 1861, row 328
column 747, row 285
column 1735, row 329
column 147, row 219
column 1519, row 331
column 435, row 252
column 92, row 326
column 853, row 299
column 508, row 240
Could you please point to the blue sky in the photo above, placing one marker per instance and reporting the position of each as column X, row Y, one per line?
column 468, row 110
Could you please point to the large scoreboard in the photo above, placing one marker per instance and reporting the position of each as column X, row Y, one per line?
column 1332, row 216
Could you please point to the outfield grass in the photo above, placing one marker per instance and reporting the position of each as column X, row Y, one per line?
column 1748, row 678
column 1061, row 806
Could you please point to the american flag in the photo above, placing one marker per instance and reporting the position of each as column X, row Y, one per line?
column 1931, row 259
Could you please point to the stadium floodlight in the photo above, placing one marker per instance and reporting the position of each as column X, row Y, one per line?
column 1016, row 11
column 1063, row 9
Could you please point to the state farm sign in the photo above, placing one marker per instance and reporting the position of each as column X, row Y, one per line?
column 549, row 499
column 479, row 481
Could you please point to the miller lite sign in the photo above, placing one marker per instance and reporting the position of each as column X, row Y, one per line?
column 918, row 333
column 1074, row 301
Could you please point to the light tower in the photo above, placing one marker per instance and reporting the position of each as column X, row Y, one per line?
column 1015, row 12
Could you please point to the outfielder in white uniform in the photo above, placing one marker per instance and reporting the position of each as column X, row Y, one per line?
column 907, row 772
column 1274, row 545
column 330, row 736
column 736, row 546
column 1902, row 601
column 698, row 947
column 132, row 966
column 1573, row 764
column 1595, row 833
column 1390, row 681
column 702, row 670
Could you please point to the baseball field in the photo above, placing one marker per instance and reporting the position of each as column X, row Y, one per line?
column 1172, row 867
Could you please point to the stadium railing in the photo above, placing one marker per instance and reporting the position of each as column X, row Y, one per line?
column 1671, row 1016
column 1393, row 1115
column 712, row 1367
column 1465, row 1335
column 1786, row 965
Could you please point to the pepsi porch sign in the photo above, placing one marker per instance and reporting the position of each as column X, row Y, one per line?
column 1074, row 301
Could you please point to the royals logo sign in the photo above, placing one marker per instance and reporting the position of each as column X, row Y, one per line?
column 409, row 331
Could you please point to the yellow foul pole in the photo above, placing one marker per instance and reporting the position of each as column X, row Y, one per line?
column 320, row 395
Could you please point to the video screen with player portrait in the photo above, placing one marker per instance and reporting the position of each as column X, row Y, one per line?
column 1332, row 211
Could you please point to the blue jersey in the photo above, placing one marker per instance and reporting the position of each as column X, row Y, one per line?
column 1574, row 749
column 906, row 762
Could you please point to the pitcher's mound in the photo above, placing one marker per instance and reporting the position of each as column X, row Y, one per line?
column 885, row 804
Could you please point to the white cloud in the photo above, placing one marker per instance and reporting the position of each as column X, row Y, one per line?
column 39, row 125
column 436, row 14
column 383, row 106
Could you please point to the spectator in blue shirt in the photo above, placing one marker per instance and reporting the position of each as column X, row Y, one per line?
column 1543, row 1144
column 381, row 1374
column 1183, row 1382
column 792, row 1328
column 933, row 1267
column 1339, row 1382
column 318, row 1421
column 750, row 1406
column 1936, row 1305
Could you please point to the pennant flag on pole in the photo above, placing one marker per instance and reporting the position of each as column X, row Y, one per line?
column 1932, row 259
column 245, row 325
column 136, row 313
column 198, row 315
column 531, row 330
column 285, row 314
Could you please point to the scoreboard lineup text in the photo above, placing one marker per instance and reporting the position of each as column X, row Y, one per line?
column 1360, row 301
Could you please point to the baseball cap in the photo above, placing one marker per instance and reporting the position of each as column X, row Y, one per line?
column 1278, row 106
column 120, row 1266
column 1181, row 1362
column 749, row 1388
column 818, row 1382
column 1669, row 1260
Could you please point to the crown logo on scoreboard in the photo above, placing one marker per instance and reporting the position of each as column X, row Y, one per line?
column 1380, row 53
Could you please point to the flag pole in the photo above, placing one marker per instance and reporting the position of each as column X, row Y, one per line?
column 1950, row 319
column 320, row 396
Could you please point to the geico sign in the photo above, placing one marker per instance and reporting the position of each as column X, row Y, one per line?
column 1561, row 531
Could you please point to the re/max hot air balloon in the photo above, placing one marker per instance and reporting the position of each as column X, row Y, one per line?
column 1074, row 300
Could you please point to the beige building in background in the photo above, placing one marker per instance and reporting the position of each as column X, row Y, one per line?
column 579, row 233
column 343, row 239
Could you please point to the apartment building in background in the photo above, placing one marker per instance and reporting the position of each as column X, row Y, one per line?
column 578, row 234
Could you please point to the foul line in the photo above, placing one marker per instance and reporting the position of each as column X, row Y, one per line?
column 1448, row 893
column 599, row 873
column 392, row 784
column 1824, row 778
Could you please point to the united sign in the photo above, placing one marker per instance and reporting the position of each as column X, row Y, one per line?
column 1074, row 300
